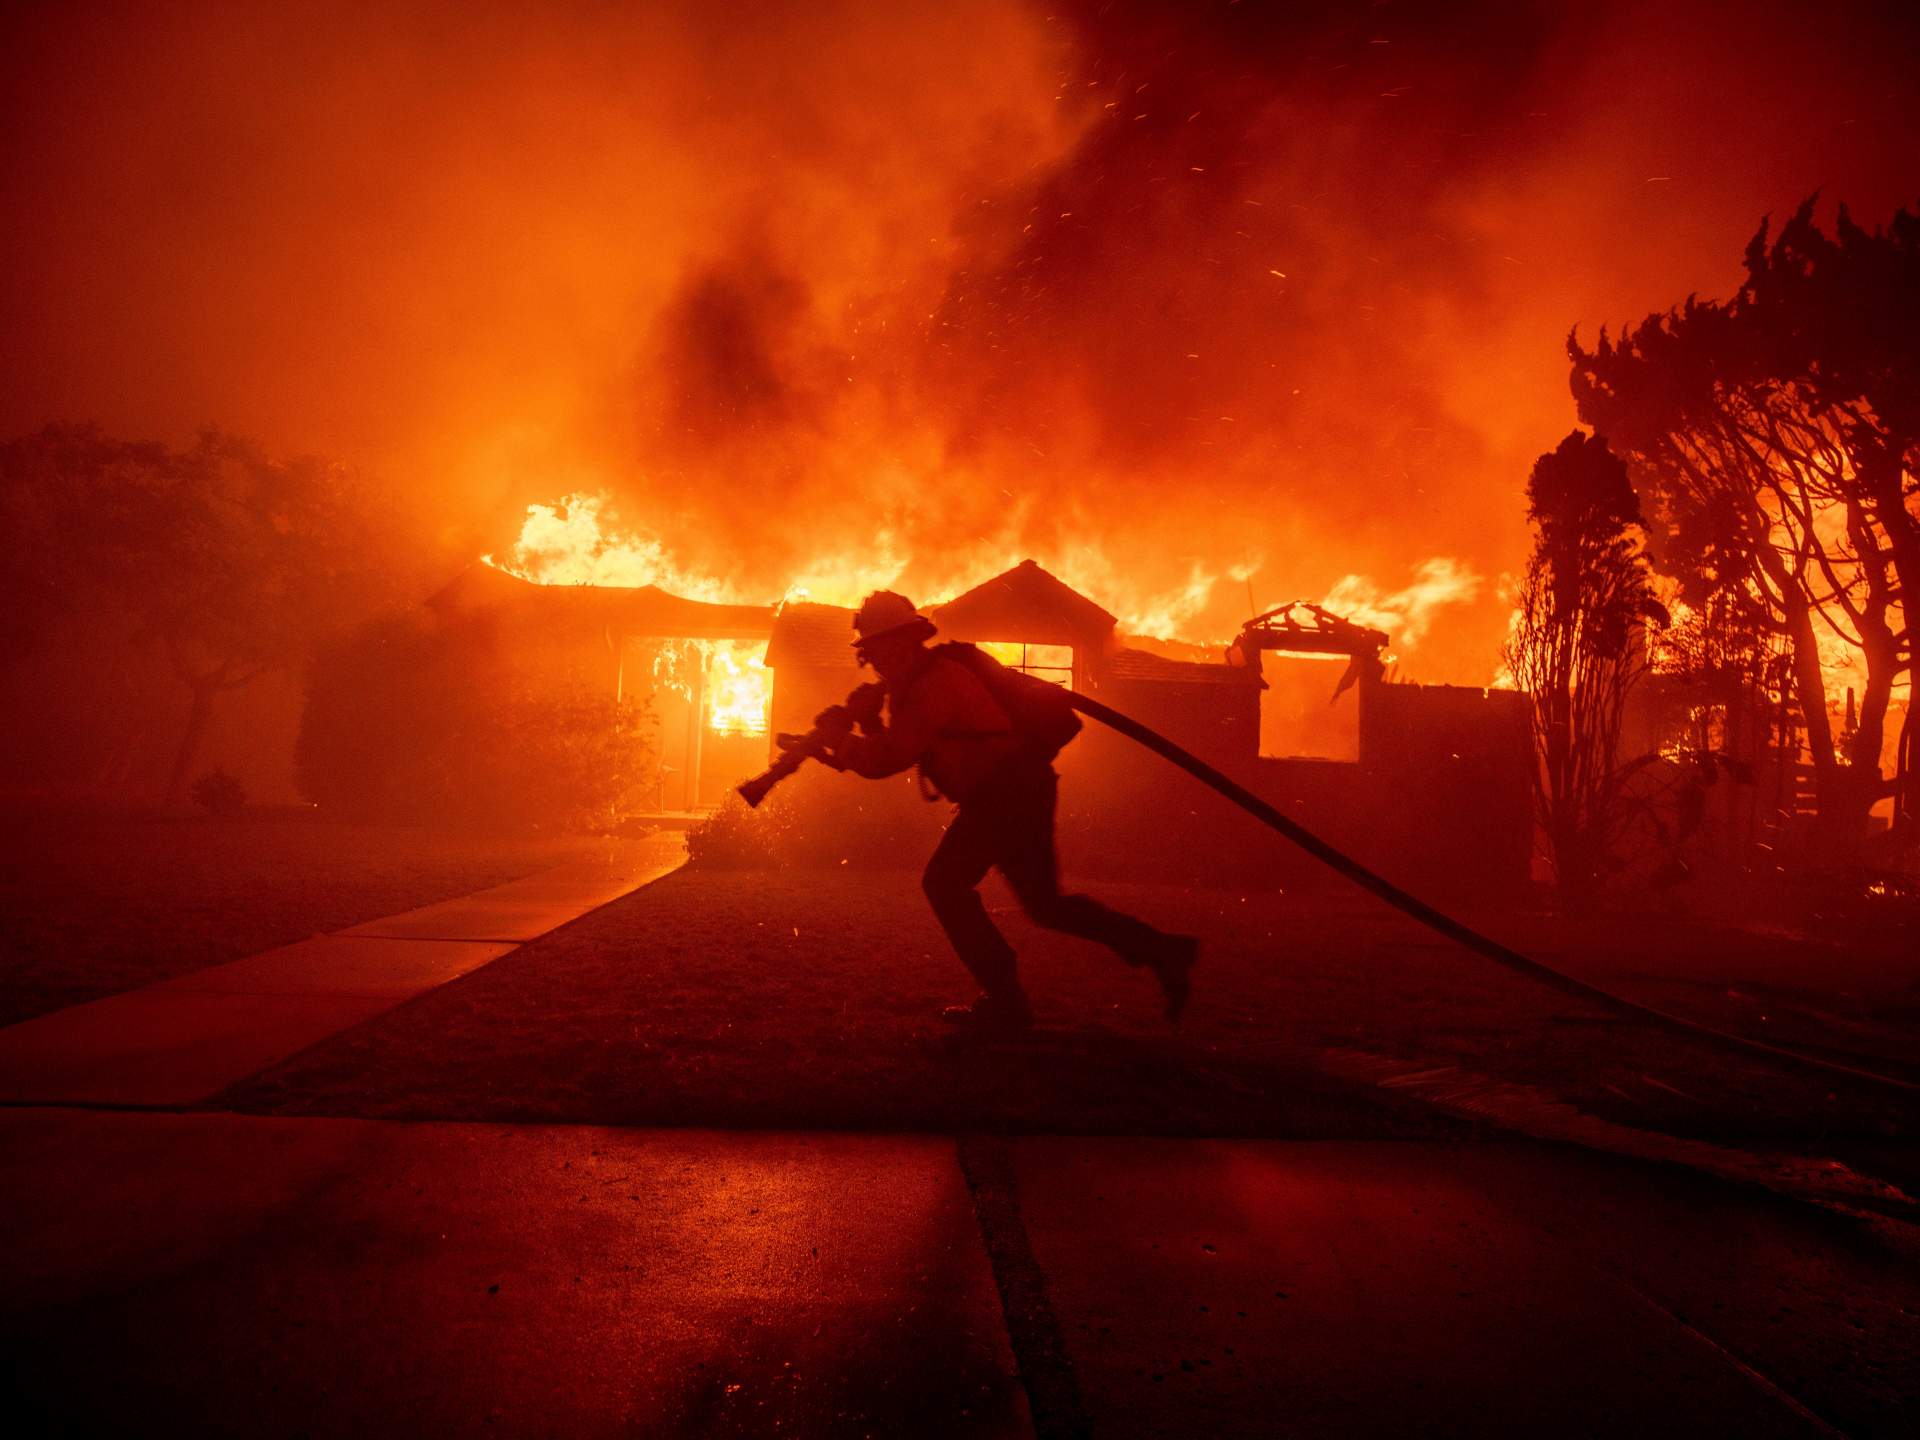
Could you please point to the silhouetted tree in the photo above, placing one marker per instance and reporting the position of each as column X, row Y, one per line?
column 1777, row 436
column 225, row 562
column 1578, row 646
column 417, row 717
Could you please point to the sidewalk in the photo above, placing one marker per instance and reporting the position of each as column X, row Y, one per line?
column 185, row 1040
column 218, row 1274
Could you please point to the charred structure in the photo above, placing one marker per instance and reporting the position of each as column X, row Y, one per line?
column 1298, row 707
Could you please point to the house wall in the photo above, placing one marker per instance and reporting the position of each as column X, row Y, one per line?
column 1127, row 813
column 1438, row 799
column 726, row 760
column 801, row 692
column 1219, row 723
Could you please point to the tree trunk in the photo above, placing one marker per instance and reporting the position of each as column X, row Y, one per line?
column 1887, row 506
column 1907, row 807
column 1842, row 820
column 1870, row 733
column 197, row 717
column 1562, row 826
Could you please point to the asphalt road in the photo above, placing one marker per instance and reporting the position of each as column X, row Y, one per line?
column 224, row 1275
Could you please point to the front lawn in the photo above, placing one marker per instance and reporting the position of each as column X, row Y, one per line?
column 783, row 998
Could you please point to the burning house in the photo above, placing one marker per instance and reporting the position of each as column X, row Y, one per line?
column 697, row 661
column 1427, row 782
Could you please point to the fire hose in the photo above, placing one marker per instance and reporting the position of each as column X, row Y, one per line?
column 796, row 750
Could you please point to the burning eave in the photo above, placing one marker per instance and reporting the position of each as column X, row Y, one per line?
column 638, row 612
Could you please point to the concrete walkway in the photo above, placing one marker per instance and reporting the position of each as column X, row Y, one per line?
column 184, row 1040
column 218, row 1274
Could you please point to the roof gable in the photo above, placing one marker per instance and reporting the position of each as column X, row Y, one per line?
column 806, row 634
column 1025, row 603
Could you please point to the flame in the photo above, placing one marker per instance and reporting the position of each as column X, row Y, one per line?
column 1162, row 615
column 739, row 688
column 568, row 544
column 576, row 541
column 979, row 273
column 1405, row 614
column 736, row 687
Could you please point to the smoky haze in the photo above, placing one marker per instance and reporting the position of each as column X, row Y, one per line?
column 1187, row 299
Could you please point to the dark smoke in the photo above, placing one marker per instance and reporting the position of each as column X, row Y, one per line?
column 792, row 280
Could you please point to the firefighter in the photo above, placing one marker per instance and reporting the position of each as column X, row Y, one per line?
column 962, row 718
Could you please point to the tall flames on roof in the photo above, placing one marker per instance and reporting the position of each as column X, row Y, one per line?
column 1170, row 297
column 578, row 541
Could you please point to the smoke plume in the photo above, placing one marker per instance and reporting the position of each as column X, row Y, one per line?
column 1203, row 305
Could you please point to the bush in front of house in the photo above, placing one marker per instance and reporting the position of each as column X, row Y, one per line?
column 414, row 719
column 819, row 818
column 219, row 793
column 735, row 837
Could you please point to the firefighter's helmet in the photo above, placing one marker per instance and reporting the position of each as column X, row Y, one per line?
column 886, row 612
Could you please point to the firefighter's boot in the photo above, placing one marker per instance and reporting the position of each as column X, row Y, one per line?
column 1172, row 965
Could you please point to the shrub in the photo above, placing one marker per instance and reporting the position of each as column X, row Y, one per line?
column 413, row 719
column 219, row 793
column 735, row 837
column 820, row 818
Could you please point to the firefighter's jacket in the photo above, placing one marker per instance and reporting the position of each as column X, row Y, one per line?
column 942, row 719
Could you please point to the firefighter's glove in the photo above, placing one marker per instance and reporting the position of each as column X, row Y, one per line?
column 864, row 705
column 834, row 724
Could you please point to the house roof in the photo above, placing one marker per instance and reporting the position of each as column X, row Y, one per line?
column 806, row 634
column 640, row 610
column 1138, row 666
column 1303, row 626
column 1025, row 603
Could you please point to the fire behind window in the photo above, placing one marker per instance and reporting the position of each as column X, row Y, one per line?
column 727, row 681
column 1299, row 717
column 739, row 688
column 1053, row 663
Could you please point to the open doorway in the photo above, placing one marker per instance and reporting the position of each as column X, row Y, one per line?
column 711, row 701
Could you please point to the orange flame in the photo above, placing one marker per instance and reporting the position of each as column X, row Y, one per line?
column 739, row 688
column 1405, row 614
column 736, row 688
column 566, row 544
column 576, row 542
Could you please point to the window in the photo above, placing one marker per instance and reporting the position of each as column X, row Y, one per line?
column 1299, row 718
column 1052, row 663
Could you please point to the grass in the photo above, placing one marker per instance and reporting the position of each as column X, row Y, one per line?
column 778, row 998
column 93, row 904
